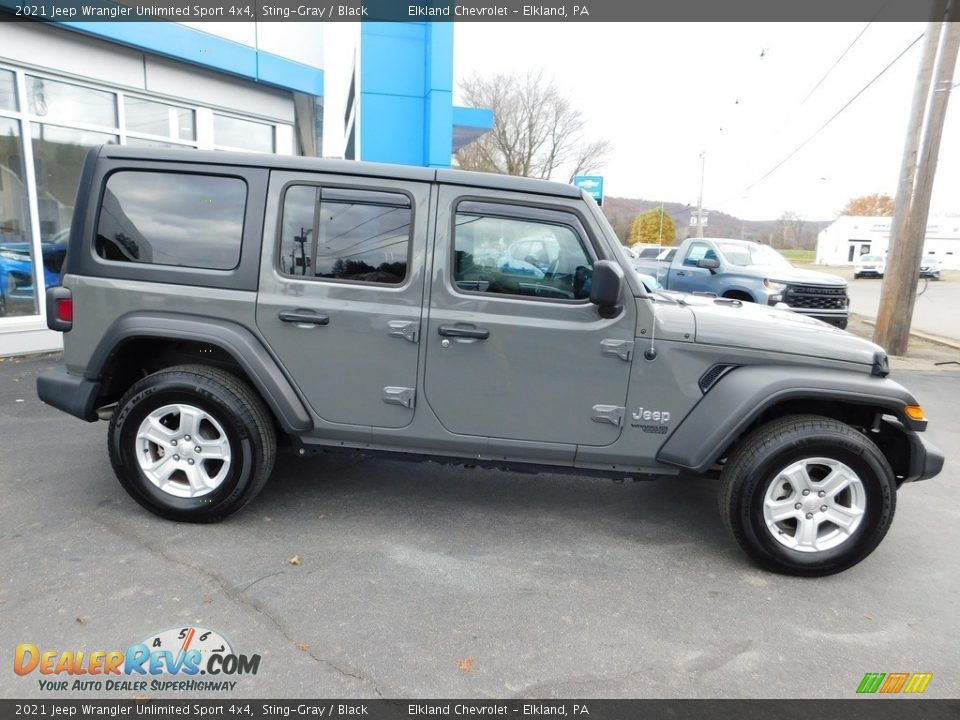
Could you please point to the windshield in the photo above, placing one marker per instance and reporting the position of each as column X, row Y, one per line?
column 746, row 254
column 870, row 258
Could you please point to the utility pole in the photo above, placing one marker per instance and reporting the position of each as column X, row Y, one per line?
column 703, row 171
column 918, row 169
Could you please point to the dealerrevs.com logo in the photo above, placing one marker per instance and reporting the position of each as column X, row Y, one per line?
column 170, row 660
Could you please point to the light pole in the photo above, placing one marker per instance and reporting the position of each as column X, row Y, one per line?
column 703, row 169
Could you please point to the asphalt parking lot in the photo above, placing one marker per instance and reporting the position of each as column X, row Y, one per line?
column 430, row 581
column 932, row 311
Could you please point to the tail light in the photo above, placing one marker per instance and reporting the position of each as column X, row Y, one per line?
column 59, row 309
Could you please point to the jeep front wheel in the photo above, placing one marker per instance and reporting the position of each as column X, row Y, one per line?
column 807, row 495
column 191, row 443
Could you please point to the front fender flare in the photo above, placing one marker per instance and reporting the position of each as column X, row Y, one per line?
column 736, row 400
column 242, row 345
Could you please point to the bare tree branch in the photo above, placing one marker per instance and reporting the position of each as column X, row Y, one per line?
column 536, row 131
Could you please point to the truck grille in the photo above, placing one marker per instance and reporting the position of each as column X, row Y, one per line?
column 812, row 297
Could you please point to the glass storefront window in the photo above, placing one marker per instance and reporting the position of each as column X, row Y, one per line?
column 8, row 91
column 242, row 134
column 153, row 118
column 58, row 155
column 144, row 143
column 18, row 294
column 64, row 102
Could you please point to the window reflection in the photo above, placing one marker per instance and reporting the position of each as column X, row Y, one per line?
column 361, row 235
column 58, row 155
column 8, row 91
column 153, row 118
column 18, row 294
column 172, row 219
column 495, row 254
column 243, row 134
column 66, row 102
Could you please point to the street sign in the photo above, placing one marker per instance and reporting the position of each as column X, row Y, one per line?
column 592, row 185
column 693, row 219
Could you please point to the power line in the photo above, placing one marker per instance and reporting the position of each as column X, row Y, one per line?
column 834, row 66
column 828, row 122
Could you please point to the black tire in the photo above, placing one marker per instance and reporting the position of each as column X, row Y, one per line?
column 856, row 276
column 3, row 304
column 756, row 463
column 246, row 423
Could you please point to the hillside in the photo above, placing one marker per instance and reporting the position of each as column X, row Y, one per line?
column 796, row 233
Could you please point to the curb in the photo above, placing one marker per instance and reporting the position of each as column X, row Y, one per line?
column 918, row 334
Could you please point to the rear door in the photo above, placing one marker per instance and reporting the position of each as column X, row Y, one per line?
column 514, row 348
column 341, row 292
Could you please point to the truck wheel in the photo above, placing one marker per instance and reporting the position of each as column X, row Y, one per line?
column 191, row 443
column 807, row 495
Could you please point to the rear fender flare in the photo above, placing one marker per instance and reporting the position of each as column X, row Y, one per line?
column 242, row 345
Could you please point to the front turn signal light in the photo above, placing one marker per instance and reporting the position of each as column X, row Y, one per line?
column 914, row 412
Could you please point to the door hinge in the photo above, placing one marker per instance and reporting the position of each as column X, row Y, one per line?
column 407, row 329
column 623, row 349
column 612, row 414
column 399, row 396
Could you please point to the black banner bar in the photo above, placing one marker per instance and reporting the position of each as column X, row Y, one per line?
column 471, row 10
column 873, row 708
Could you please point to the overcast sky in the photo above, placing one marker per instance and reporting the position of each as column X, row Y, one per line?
column 662, row 93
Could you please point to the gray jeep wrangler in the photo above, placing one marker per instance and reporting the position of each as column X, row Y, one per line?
column 216, row 306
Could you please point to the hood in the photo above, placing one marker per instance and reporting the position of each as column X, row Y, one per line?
column 765, row 328
column 799, row 276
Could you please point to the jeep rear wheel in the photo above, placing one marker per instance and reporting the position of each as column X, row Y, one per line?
column 807, row 495
column 191, row 443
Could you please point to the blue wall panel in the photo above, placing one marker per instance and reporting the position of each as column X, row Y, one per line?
column 406, row 93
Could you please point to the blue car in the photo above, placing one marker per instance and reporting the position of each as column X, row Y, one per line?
column 16, row 270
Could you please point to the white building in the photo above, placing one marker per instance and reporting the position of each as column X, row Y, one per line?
column 851, row 236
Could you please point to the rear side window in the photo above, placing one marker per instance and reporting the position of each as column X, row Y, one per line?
column 345, row 234
column 179, row 219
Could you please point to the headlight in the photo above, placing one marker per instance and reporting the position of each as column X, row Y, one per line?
column 774, row 286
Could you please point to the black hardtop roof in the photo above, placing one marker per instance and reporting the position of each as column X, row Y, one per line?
column 341, row 167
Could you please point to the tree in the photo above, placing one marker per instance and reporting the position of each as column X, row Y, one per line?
column 870, row 206
column 652, row 226
column 788, row 232
column 536, row 131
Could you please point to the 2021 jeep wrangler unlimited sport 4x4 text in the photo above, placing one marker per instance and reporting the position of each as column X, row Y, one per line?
column 214, row 305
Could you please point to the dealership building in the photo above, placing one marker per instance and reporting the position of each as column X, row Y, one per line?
column 371, row 91
column 849, row 237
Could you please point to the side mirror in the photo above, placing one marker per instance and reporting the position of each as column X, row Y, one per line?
column 607, row 284
column 710, row 264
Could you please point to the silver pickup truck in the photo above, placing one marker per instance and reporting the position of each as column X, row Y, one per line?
column 219, row 307
column 749, row 272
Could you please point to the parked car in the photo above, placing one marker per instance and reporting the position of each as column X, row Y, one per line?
column 16, row 270
column 646, row 251
column 869, row 266
column 209, row 352
column 749, row 272
column 930, row 268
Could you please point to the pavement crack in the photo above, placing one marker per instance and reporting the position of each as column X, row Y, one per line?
column 235, row 594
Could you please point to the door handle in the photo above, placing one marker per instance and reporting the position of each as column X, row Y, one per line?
column 457, row 331
column 681, row 272
column 307, row 317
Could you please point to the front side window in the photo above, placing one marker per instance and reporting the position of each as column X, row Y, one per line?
column 698, row 252
column 172, row 219
column 345, row 234
column 504, row 255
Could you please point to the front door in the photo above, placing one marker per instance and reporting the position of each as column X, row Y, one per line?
column 690, row 277
column 514, row 348
column 341, row 292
